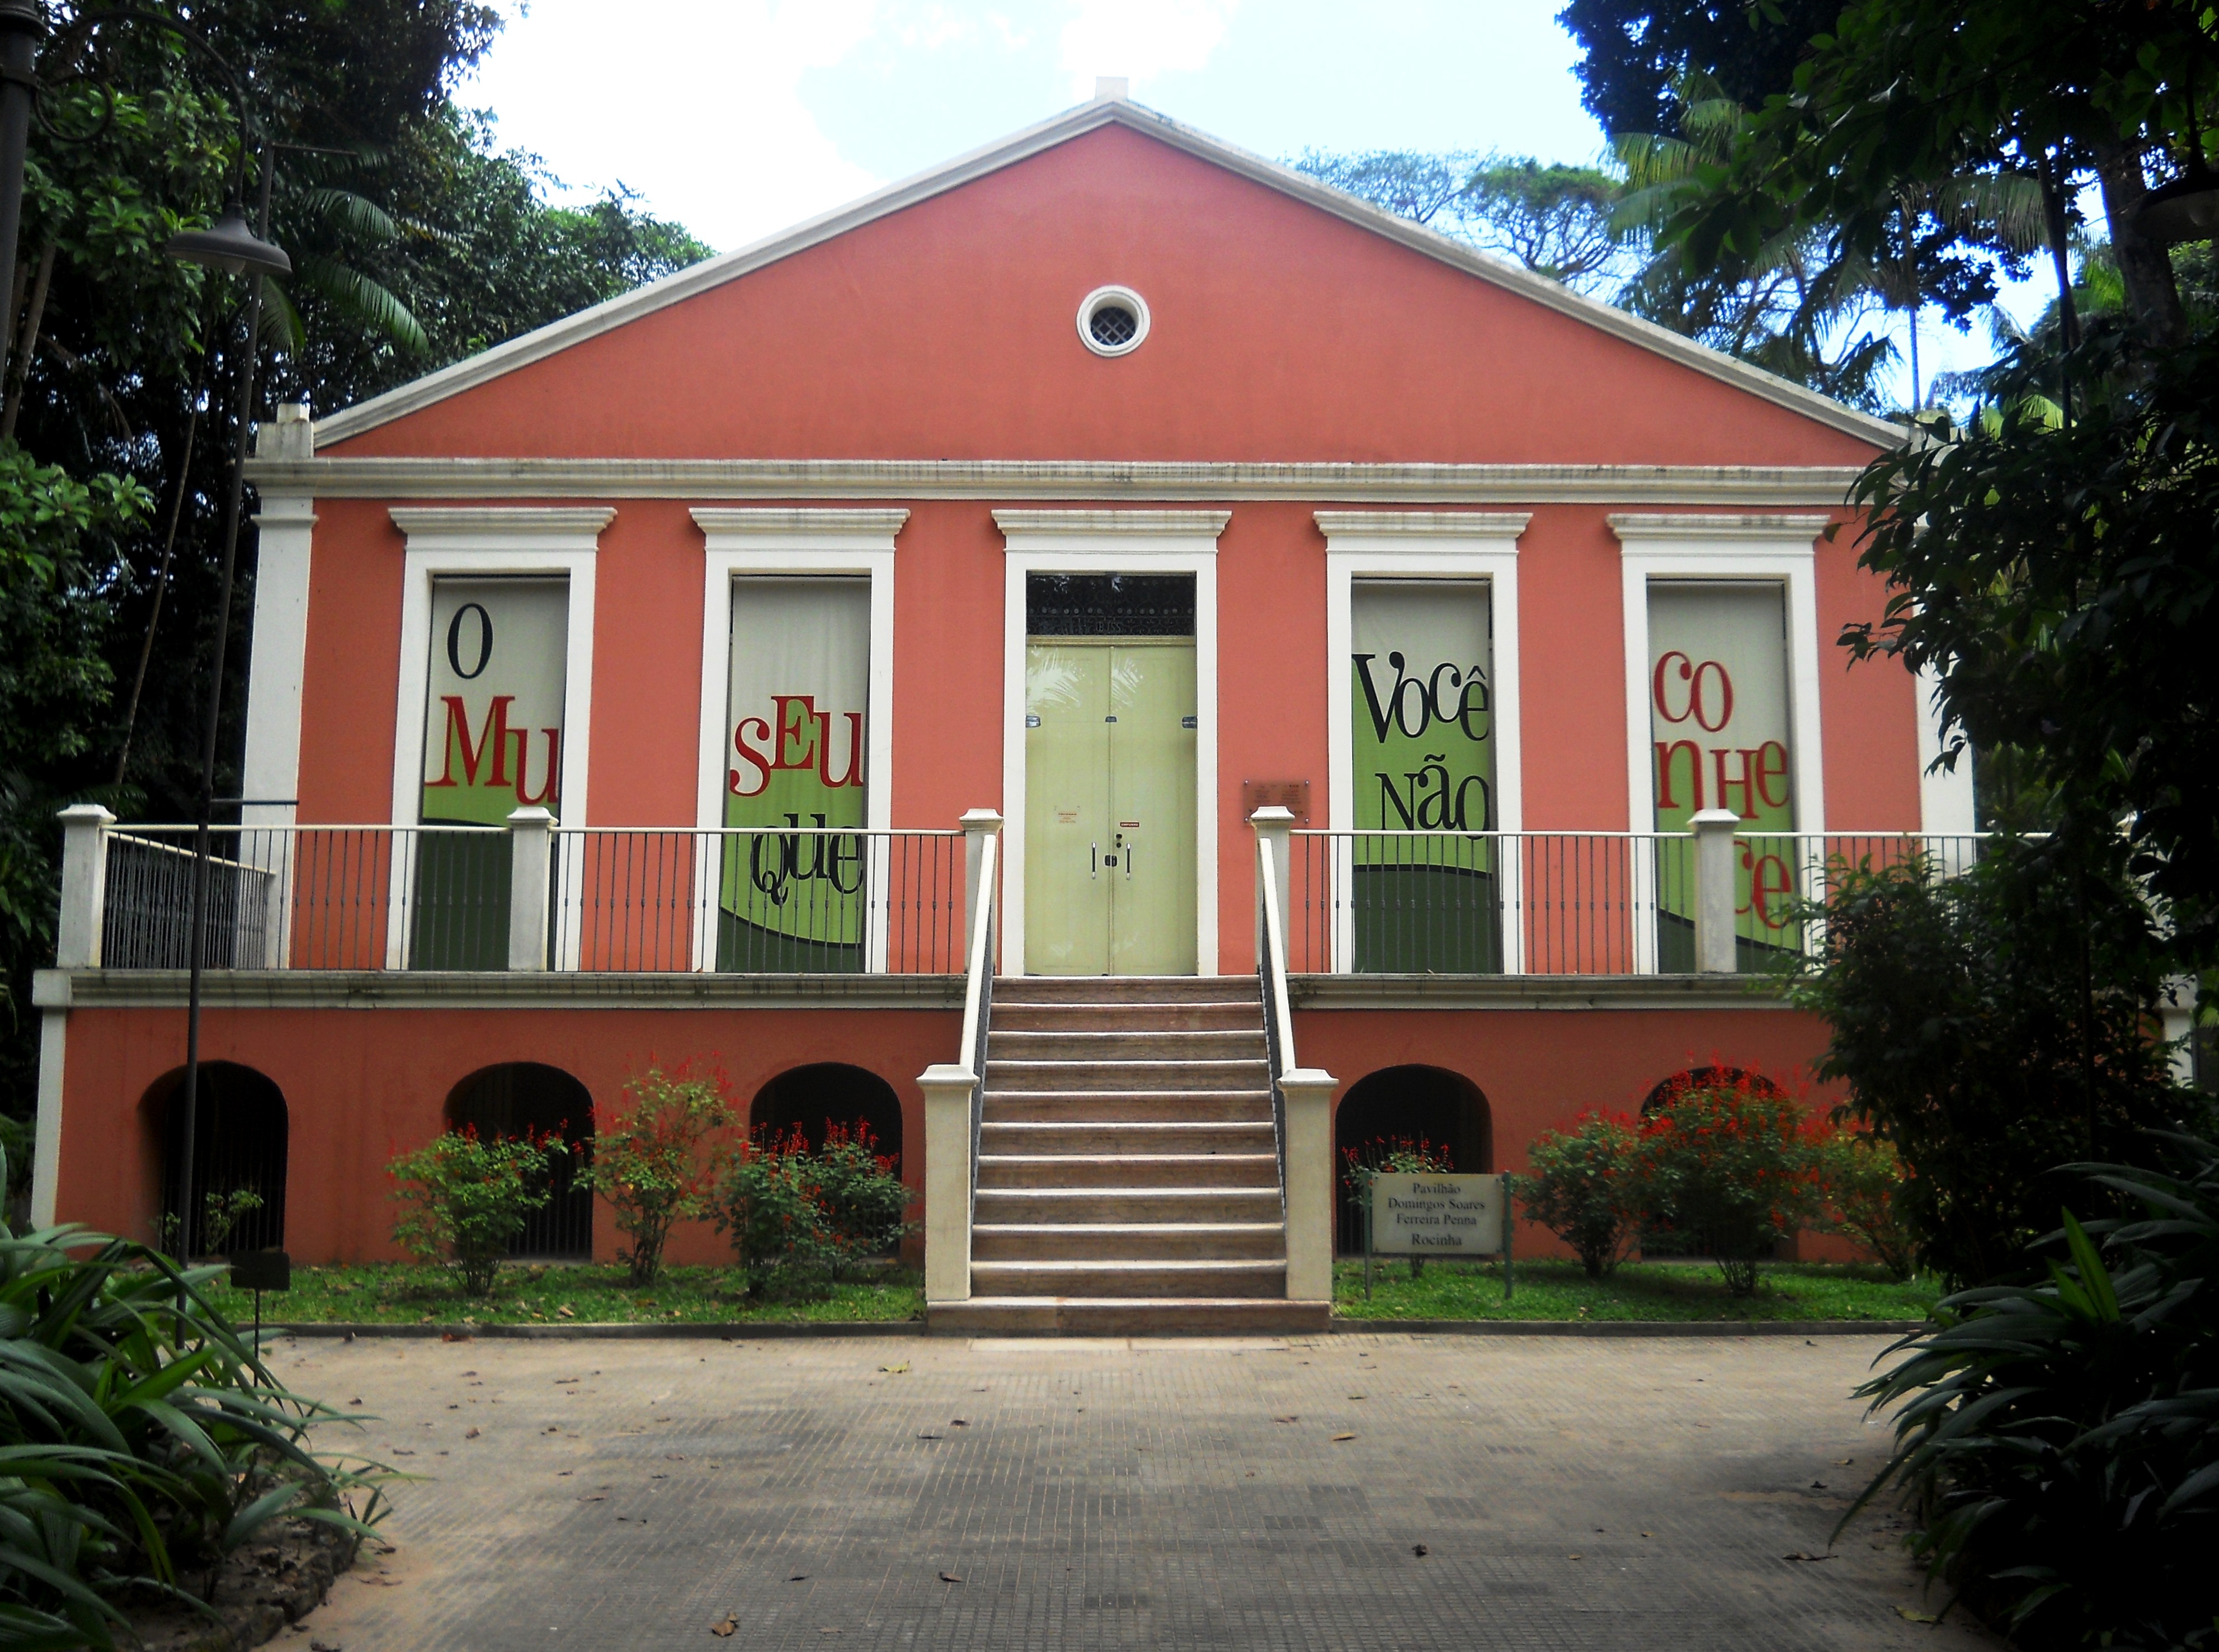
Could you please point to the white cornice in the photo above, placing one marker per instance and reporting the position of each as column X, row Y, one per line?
column 518, row 527
column 1690, row 526
column 1824, row 486
column 1422, row 524
column 1059, row 130
column 743, row 525
column 1181, row 524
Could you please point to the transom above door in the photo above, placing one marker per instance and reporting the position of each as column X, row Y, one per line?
column 1110, row 750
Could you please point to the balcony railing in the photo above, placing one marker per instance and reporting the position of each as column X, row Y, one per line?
column 534, row 895
column 1415, row 903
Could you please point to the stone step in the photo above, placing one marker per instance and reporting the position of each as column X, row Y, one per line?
column 1125, row 1241
column 1247, row 1015
column 1127, row 1074
column 1261, row 1277
column 1128, row 1171
column 1223, row 1316
column 1126, row 989
column 1047, row 1107
column 1099, row 1138
column 1218, row 1043
column 1126, row 1206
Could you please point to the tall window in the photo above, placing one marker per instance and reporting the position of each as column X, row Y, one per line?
column 1719, row 724
column 800, row 688
column 1423, row 720
column 493, row 743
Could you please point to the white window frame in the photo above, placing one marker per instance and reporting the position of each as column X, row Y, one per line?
column 467, row 542
column 1477, row 546
column 750, row 542
column 1764, row 549
column 1111, row 541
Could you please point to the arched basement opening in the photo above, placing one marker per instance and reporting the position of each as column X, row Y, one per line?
column 519, row 1098
column 1662, row 1244
column 241, row 1132
column 1414, row 1103
column 810, row 1098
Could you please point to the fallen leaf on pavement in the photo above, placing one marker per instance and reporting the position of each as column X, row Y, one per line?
column 594, row 1497
column 1805, row 1554
column 1574, row 1558
column 402, row 1452
column 1420, row 1549
column 1912, row 1617
column 1338, row 1437
column 798, row 1577
column 895, row 1370
column 949, row 1577
column 960, row 1422
column 1286, row 1420
column 470, row 1433
column 726, row 1630
column 929, row 1436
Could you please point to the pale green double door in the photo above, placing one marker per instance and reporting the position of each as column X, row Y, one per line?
column 1110, row 821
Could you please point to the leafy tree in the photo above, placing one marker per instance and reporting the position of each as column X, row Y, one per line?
column 1992, row 1026
column 1638, row 54
column 1556, row 221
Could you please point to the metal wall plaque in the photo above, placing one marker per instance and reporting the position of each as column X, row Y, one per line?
column 1293, row 796
column 1437, row 1215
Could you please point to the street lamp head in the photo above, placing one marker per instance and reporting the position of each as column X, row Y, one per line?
column 228, row 245
column 2187, row 209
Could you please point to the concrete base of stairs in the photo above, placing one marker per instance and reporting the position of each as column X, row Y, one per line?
column 1126, row 1316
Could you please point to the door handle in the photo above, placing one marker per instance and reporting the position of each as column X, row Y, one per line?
column 1125, row 852
column 1094, row 860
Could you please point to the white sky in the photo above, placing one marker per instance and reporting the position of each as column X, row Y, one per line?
column 739, row 117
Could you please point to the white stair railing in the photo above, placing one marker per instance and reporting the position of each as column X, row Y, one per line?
column 1302, row 1097
column 954, row 1092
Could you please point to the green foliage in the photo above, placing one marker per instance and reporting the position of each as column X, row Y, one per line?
column 221, row 1213
column 799, row 1219
column 1860, row 1179
column 2058, row 1433
column 1992, row 1026
column 1731, row 1167
column 2062, row 580
column 770, row 1204
column 1556, row 220
column 866, row 1205
column 464, row 1200
column 141, row 1438
column 650, row 1163
column 1585, row 1186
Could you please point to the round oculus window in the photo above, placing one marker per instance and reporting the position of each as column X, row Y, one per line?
column 1113, row 321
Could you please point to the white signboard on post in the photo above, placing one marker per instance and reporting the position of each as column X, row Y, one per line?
column 1438, row 1216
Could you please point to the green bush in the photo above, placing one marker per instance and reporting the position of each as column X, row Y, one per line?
column 1992, row 1027
column 464, row 1200
column 771, row 1206
column 649, row 1162
column 141, row 1438
column 1860, row 1196
column 866, row 1206
column 1731, row 1167
column 2060, row 1436
column 1586, row 1186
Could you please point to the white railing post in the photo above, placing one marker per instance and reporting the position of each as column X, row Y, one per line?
column 531, row 860
column 947, row 1090
column 84, row 885
column 1714, row 890
column 1273, row 825
column 1308, row 1095
column 978, row 825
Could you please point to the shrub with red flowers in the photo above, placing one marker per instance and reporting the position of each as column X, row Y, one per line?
column 1587, row 1186
column 866, row 1206
column 1861, row 1178
column 464, row 1200
column 1731, row 1166
column 650, row 1162
column 771, row 1204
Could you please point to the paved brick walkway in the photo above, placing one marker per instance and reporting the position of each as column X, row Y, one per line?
column 1570, row 1493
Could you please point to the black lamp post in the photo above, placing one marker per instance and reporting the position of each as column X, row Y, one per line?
column 227, row 245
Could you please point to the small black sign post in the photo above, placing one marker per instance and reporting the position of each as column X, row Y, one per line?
column 258, row 1271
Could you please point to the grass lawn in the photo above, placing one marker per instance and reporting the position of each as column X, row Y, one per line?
column 561, row 1293
column 1638, row 1290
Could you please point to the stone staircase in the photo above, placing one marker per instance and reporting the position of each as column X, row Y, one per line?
column 1129, row 1167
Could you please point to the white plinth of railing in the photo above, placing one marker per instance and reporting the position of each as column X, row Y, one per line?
column 1301, row 1096
column 954, row 1092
